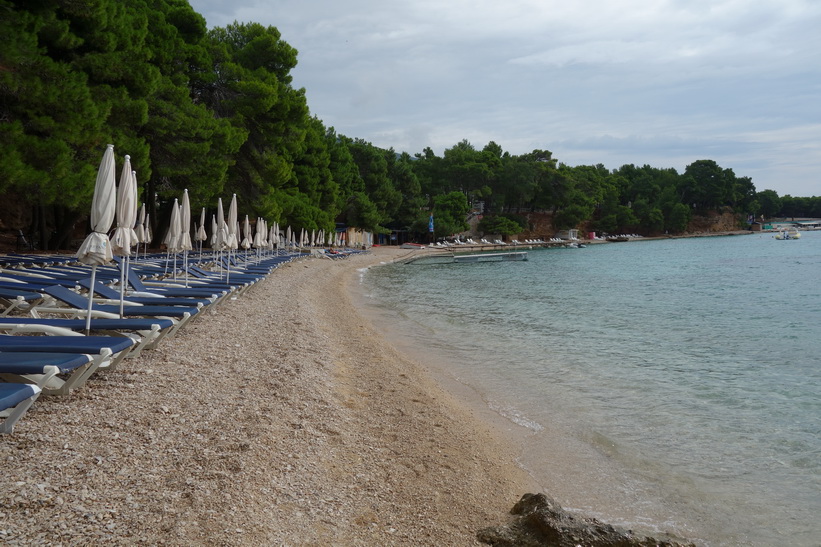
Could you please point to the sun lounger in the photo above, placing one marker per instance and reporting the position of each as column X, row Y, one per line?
column 114, row 295
column 150, row 330
column 78, row 306
column 99, row 351
column 175, row 289
column 42, row 369
column 17, row 299
column 15, row 400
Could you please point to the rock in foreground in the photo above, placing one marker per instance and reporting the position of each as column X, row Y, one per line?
column 540, row 521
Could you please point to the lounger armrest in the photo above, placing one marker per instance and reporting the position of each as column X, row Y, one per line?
column 74, row 313
column 32, row 328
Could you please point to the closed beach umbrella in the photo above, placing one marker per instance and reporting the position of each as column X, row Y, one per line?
column 214, row 231
column 140, row 228
column 185, row 223
column 201, row 235
column 125, row 212
column 246, row 234
column 185, row 231
column 148, row 235
column 258, row 235
column 172, row 238
column 233, row 238
column 222, row 230
column 96, row 249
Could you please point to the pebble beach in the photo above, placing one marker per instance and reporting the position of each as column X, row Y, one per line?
column 280, row 418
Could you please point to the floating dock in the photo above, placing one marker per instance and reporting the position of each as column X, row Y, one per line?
column 450, row 258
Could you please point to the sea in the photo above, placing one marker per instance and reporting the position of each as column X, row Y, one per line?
column 666, row 385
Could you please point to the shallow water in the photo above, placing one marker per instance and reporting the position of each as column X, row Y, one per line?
column 672, row 385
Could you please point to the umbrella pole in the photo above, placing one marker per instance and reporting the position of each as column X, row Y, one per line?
column 185, row 266
column 90, row 298
column 123, row 268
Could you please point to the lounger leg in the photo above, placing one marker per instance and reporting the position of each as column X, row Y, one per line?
column 16, row 413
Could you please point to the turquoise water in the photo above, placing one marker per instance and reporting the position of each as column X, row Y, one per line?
column 680, row 377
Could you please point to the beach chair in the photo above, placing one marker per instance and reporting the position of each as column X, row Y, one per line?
column 78, row 306
column 150, row 330
column 15, row 400
column 113, row 297
column 90, row 353
column 17, row 300
column 175, row 289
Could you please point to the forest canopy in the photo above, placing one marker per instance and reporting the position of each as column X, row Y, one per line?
column 215, row 111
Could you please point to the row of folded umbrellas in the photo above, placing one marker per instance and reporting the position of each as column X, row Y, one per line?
column 132, row 227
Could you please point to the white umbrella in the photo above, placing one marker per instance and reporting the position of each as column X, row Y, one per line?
column 173, row 237
column 201, row 235
column 140, row 228
column 148, row 235
column 95, row 249
column 222, row 231
column 185, row 223
column 214, row 231
column 233, row 240
column 126, row 212
column 185, row 234
column 246, row 234
column 257, row 242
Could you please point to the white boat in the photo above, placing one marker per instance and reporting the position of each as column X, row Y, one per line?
column 790, row 233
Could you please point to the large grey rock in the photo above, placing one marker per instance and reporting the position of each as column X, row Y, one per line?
column 540, row 521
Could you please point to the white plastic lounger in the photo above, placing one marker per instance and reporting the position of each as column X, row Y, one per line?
column 15, row 400
column 42, row 369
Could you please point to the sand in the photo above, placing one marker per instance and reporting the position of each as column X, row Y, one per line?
column 280, row 418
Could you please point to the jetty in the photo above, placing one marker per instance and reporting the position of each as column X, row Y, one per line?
column 451, row 258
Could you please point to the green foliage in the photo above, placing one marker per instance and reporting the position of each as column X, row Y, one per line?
column 501, row 224
column 215, row 112
column 770, row 203
column 679, row 218
column 449, row 214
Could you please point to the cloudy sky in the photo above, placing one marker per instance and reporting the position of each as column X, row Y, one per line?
column 658, row 82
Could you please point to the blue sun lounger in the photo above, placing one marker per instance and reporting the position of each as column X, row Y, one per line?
column 113, row 294
column 172, row 289
column 150, row 329
column 14, row 299
column 78, row 306
column 21, row 355
column 15, row 400
column 42, row 369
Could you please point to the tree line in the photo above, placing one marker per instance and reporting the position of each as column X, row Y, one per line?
column 215, row 111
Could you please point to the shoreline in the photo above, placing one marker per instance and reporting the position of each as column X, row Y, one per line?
column 578, row 470
column 284, row 417
column 281, row 418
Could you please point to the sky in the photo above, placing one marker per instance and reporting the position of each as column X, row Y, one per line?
column 646, row 82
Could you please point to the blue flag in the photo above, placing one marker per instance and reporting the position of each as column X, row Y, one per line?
column 430, row 223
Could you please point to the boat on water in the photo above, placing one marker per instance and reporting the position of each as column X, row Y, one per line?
column 790, row 233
